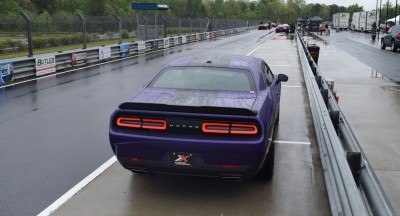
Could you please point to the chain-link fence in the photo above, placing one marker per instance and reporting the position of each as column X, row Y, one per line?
column 51, row 33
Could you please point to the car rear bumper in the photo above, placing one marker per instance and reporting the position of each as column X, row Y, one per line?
column 213, row 159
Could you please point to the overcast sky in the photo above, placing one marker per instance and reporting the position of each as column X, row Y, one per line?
column 367, row 4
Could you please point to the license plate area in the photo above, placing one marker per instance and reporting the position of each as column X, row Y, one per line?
column 182, row 159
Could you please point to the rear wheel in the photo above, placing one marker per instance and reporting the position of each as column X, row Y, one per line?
column 393, row 47
column 267, row 171
column 383, row 45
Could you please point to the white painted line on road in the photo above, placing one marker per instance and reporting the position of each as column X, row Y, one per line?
column 291, row 142
column 69, row 194
column 258, row 47
column 288, row 86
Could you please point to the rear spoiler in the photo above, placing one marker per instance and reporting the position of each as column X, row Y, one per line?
column 188, row 109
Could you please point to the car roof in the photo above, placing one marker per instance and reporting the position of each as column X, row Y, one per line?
column 241, row 62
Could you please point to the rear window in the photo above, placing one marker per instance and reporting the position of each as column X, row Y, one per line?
column 205, row 78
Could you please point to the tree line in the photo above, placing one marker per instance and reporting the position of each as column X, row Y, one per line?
column 276, row 10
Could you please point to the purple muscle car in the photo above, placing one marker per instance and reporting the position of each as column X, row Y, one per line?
column 204, row 116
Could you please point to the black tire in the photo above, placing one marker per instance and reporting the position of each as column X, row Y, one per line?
column 267, row 171
column 383, row 45
column 393, row 47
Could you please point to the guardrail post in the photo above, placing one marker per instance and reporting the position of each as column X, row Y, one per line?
column 325, row 95
column 354, row 159
column 29, row 32
column 83, row 29
column 335, row 117
column 119, row 29
column 318, row 79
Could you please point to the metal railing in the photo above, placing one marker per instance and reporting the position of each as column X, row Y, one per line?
column 353, row 188
column 24, row 68
column 75, row 30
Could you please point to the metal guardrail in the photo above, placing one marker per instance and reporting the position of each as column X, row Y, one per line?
column 353, row 188
column 24, row 68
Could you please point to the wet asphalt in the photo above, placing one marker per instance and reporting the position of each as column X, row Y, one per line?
column 54, row 131
column 297, row 188
column 370, row 102
column 366, row 51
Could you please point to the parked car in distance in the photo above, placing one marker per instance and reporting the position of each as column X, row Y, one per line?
column 391, row 38
column 282, row 28
column 262, row 26
column 211, row 115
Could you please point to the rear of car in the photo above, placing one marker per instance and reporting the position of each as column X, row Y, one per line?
column 391, row 38
column 198, row 121
column 282, row 28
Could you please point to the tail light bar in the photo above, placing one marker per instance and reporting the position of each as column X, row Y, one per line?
column 144, row 123
column 229, row 128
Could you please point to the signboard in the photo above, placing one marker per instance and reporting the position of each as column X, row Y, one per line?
column 104, row 53
column 6, row 72
column 212, row 35
column 166, row 42
column 141, row 46
column 176, row 41
column 184, row 39
column 124, row 50
column 207, row 35
column 78, row 59
column 197, row 37
column 149, row 6
column 45, row 65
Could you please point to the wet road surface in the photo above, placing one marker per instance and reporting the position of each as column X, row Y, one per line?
column 54, row 131
column 364, row 50
column 372, row 107
column 297, row 187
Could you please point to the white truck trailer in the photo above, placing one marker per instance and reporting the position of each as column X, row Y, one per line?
column 355, row 21
column 362, row 21
column 341, row 20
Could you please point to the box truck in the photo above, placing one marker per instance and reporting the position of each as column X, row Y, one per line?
column 341, row 20
column 362, row 21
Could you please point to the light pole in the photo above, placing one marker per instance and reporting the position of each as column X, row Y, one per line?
column 380, row 17
column 387, row 12
column 395, row 15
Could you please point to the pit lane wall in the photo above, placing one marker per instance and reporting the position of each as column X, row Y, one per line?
column 353, row 188
column 41, row 65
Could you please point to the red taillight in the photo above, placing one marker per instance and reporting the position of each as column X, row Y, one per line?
column 244, row 129
column 215, row 127
column 129, row 122
column 137, row 122
column 398, row 36
column 154, row 124
column 229, row 128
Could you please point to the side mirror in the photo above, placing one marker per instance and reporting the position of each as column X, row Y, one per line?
column 282, row 78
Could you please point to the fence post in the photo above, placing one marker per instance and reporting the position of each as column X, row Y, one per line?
column 180, row 26
column 83, row 29
column 119, row 29
column 165, row 24
column 29, row 32
column 155, row 26
column 191, row 25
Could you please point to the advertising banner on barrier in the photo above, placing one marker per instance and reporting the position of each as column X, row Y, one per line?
column 184, row 39
column 176, row 41
column 6, row 72
column 45, row 65
column 212, row 35
column 207, row 35
column 78, row 59
column 197, row 39
column 124, row 50
column 104, row 53
column 141, row 46
column 166, row 42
